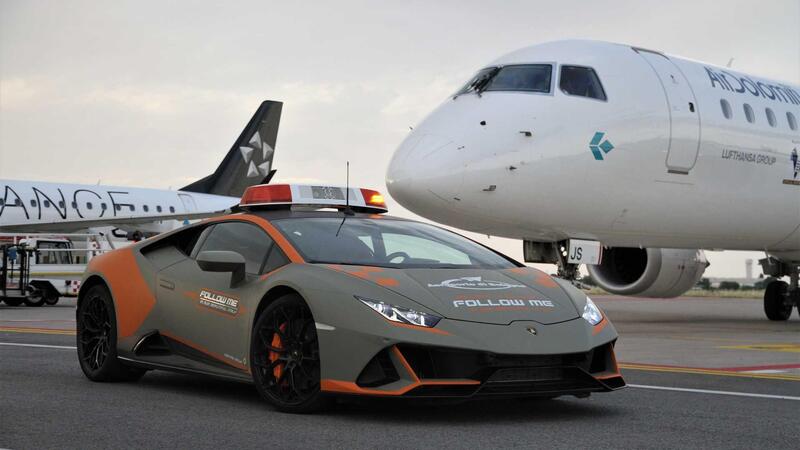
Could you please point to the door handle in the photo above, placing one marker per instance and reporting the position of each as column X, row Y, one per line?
column 166, row 283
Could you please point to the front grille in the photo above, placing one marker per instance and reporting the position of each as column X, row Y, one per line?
column 539, row 381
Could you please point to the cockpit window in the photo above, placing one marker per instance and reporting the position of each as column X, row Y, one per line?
column 582, row 82
column 529, row 77
column 523, row 77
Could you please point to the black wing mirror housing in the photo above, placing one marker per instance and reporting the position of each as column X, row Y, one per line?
column 223, row 261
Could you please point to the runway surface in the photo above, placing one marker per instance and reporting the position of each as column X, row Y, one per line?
column 704, row 373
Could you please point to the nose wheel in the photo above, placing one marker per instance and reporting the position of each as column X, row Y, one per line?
column 781, row 297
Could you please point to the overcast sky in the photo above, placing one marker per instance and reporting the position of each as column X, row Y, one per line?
column 153, row 93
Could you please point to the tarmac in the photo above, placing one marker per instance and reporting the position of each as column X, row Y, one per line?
column 702, row 373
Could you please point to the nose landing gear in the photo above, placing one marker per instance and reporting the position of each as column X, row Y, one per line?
column 780, row 297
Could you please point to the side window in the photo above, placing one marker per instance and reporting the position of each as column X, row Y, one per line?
column 582, row 82
column 726, row 108
column 771, row 118
column 243, row 238
column 275, row 259
column 792, row 121
column 748, row 113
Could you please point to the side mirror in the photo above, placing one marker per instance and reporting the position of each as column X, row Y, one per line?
column 223, row 261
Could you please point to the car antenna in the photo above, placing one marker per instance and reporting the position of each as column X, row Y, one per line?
column 347, row 210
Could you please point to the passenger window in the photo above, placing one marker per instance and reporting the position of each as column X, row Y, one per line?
column 158, row 208
column 89, row 205
column 146, row 208
column 582, row 82
column 726, row 108
column 172, row 209
column 748, row 113
column 33, row 203
column 243, row 238
column 527, row 78
column 792, row 121
column 771, row 118
column 275, row 259
column 74, row 205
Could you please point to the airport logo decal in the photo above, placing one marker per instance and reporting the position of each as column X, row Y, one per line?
column 219, row 302
column 598, row 146
column 475, row 283
column 250, row 152
column 503, row 303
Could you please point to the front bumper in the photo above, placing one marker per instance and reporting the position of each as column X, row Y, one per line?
column 422, row 371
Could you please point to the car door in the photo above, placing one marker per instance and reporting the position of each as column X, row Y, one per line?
column 205, row 313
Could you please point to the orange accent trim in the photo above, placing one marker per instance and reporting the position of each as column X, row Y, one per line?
column 133, row 299
column 387, row 282
column 206, row 351
column 405, row 363
column 348, row 387
column 613, row 372
column 418, row 328
column 269, row 274
column 599, row 327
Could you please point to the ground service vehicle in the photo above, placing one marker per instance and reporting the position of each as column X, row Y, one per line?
column 311, row 291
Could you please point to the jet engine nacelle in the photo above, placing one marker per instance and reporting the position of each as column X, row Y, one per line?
column 651, row 272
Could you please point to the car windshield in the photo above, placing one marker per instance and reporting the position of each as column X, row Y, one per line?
column 385, row 243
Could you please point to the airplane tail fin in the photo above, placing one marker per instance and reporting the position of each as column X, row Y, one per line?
column 249, row 161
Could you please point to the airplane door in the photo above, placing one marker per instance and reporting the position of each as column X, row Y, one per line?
column 683, row 116
column 189, row 204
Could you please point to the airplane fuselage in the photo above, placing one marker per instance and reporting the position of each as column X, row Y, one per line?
column 41, row 206
column 657, row 163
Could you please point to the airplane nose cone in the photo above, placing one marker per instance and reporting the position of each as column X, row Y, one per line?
column 423, row 172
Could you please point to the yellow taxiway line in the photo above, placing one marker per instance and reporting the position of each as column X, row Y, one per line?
column 696, row 371
column 31, row 330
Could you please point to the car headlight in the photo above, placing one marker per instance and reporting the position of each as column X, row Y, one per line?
column 591, row 313
column 401, row 315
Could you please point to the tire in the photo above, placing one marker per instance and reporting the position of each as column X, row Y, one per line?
column 775, row 305
column 35, row 297
column 51, row 297
column 284, row 357
column 97, row 339
column 13, row 301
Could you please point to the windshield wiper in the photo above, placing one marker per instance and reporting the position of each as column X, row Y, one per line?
column 481, row 84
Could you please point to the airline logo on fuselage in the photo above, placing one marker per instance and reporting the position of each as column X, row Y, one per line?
column 599, row 147
column 741, row 84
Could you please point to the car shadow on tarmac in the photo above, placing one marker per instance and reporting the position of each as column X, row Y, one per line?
column 507, row 410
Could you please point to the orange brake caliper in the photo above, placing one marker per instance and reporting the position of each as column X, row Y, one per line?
column 273, row 356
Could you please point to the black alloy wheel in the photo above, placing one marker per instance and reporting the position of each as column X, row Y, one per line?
column 97, row 339
column 776, row 303
column 284, row 356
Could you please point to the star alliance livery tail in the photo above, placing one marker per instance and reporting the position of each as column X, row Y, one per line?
column 249, row 161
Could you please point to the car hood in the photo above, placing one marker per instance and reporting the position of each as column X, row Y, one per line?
column 487, row 296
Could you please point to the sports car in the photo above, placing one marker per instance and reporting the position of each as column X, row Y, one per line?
column 312, row 292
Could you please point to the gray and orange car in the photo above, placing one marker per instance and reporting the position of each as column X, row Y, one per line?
column 312, row 292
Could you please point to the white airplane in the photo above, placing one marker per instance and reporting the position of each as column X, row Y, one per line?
column 31, row 206
column 580, row 146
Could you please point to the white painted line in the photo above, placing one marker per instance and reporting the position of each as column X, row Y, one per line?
column 16, row 344
column 706, row 391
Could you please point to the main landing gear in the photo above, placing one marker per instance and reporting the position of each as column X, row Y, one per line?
column 780, row 297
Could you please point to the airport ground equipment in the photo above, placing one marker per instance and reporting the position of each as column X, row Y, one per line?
column 39, row 268
column 312, row 292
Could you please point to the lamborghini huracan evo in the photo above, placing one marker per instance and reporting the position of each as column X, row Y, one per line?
column 311, row 292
